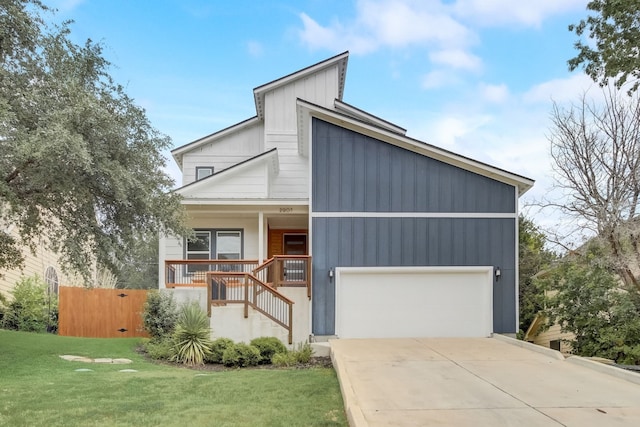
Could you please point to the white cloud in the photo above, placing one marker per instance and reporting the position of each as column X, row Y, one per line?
column 494, row 93
column 513, row 13
column 456, row 58
column 438, row 78
column 400, row 23
column 559, row 90
column 335, row 37
column 389, row 23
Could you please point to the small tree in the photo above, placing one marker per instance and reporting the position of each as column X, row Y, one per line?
column 32, row 308
column 533, row 258
column 586, row 299
column 160, row 314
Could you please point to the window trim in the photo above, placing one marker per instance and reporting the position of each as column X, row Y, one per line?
column 204, row 168
column 52, row 280
column 213, row 243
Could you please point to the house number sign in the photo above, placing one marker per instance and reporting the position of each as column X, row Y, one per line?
column 286, row 210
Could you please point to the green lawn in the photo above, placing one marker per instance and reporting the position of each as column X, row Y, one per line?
column 40, row 389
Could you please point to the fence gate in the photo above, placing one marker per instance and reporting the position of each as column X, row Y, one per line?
column 101, row 313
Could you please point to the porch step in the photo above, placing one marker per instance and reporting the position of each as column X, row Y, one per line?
column 321, row 349
column 322, row 338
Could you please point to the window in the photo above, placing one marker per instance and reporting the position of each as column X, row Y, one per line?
column 203, row 172
column 554, row 345
column 228, row 246
column 198, row 247
column 51, row 279
column 214, row 244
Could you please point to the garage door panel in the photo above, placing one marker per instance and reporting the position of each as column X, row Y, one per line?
column 414, row 302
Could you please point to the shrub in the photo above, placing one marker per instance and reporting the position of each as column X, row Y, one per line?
column 160, row 348
column 284, row 359
column 3, row 306
column 217, row 348
column 192, row 335
column 241, row 354
column 160, row 314
column 31, row 308
column 302, row 354
column 268, row 346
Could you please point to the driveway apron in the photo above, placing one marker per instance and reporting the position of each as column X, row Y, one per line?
column 478, row 382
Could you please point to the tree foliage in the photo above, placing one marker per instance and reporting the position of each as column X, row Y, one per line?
column 533, row 258
column 614, row 26
column 595, row 150
column 587, row 300
column 80, row 161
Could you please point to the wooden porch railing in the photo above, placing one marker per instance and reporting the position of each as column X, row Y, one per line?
column 192, row 272
column 286, row 270
column 246, row 282
column 245, row 288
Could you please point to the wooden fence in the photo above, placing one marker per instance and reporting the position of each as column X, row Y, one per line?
column 101, row 313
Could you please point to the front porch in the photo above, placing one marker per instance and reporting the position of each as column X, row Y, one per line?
column 245, row 299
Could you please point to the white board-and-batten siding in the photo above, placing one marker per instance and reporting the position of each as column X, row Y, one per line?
column 321, row 88
column 248, row 183
column 224, row 152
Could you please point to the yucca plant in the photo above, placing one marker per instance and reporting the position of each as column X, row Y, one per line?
column 192, row 335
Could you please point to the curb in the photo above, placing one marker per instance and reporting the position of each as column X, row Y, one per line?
column 554, row 354
column 606, row 369
column 355, row 417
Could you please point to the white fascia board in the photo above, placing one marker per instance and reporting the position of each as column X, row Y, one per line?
column 308, row 110
column 177, row 153
column 488, row 215
column 339, row 60
column 367, row 117
column 246, row 202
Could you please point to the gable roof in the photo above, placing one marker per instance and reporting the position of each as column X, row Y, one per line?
column 339, row 60
column 259, row 94
column 270, row 156
column 180, row 151
column 307, row 109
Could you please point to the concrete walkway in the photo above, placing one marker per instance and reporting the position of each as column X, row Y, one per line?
column 479, row 382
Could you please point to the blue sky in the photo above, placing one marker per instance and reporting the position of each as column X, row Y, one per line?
column 473, row 76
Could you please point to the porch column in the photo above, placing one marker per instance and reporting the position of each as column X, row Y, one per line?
column 260, row 237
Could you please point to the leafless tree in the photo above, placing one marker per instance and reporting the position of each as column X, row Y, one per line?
column 595, row 151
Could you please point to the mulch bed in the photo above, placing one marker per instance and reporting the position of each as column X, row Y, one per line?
column 315, row 362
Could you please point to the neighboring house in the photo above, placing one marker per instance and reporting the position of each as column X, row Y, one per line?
column 550, row 337
column 42, row 262
column 369, row 232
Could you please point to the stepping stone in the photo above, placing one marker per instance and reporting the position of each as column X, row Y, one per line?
column 122, row 361
column 127, row 370
column 84, row 370
column 72, row 358
column 103, row 360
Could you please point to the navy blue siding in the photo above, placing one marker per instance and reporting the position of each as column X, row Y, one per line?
column 356, row 173
column 365, row 242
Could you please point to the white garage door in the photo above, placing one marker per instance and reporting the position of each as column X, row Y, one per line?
column 400, row 302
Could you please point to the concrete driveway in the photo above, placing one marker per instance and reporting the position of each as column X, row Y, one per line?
column 479, row 382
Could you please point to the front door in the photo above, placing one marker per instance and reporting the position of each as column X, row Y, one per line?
column 287, row 242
